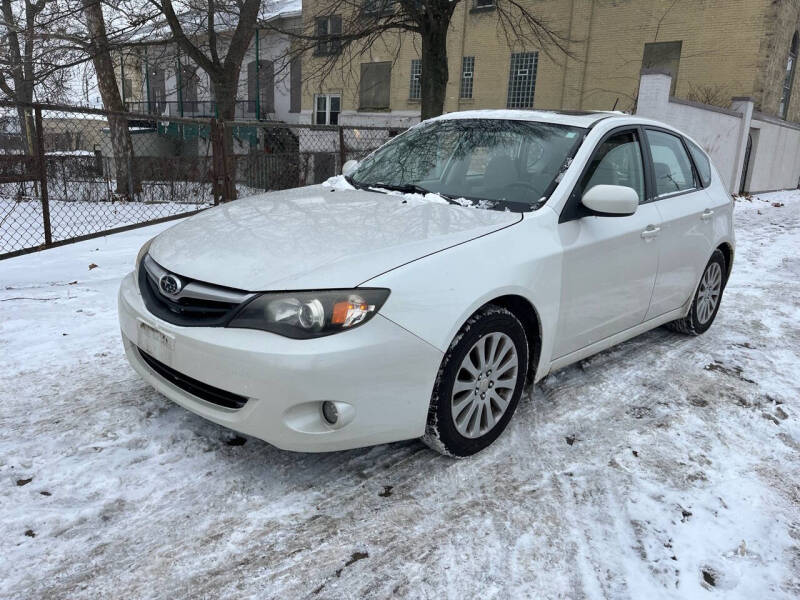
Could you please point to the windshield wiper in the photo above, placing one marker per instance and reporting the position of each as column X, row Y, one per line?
column 353, row 182
column 410, row 188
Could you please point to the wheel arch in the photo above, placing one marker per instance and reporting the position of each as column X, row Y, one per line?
column 727, row 253
column 526, row 312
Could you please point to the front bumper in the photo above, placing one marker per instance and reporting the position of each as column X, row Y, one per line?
column 385, row 373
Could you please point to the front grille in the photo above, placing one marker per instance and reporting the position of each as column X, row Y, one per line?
column 198, row 304
column 196, row 388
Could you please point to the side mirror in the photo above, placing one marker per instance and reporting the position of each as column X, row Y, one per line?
column 349, row 167
column 611, row 200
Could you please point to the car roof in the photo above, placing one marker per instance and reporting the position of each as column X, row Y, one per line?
column 574, row 118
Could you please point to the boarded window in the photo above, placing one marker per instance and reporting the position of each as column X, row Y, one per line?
column 522, row 79
column 415, row 88
column 295, row 84
column 663, row 56
column 328, row 33
column 375, row 86
column 261, row 77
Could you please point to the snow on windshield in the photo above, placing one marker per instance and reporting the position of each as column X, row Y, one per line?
column 486, row 162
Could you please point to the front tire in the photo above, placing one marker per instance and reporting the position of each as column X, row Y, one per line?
column 479, row 383
column 707, row 298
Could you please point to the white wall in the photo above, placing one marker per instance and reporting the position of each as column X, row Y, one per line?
column 775, row 156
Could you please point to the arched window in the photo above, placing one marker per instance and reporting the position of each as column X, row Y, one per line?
column 788, row 79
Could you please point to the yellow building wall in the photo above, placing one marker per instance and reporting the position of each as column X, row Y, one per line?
column 722, row 50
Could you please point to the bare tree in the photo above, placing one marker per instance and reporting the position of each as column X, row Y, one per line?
column 215, row 34
column 716, row 95
column 356, row 26
column 100, row 50
column 30, row 60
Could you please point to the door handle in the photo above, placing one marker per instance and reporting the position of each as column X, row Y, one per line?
column 707, row 214
column 650, row 233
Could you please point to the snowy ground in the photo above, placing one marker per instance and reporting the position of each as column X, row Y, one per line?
column 667, row 467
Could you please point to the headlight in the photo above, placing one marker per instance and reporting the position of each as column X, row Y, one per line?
column 304, row 315
column 142, row 252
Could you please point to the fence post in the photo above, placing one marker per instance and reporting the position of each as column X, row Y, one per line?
column 42, row 163
column 342, row 149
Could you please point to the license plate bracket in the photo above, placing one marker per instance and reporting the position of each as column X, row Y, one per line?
column 158, row 344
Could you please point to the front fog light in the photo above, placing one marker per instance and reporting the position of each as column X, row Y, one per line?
column 330, row 412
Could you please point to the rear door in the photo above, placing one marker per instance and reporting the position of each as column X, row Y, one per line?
column 609, row 263
column 686, row 237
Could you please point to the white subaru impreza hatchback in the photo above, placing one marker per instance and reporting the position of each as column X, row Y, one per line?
column 416, row 295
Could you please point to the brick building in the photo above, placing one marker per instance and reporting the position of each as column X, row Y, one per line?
column 714, row 49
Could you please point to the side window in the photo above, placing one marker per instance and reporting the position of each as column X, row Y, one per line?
column 701, row 162
column 671, row 166
column 617, row 161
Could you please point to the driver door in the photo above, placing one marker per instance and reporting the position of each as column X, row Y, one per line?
column 609, row 263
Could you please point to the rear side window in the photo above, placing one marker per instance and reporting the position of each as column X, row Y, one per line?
column 671, row 165
column 617, row 161
column 701, row 162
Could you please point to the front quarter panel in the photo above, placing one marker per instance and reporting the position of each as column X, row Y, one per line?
column 435, row 295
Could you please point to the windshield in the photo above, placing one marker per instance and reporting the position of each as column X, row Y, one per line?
column 489, row 162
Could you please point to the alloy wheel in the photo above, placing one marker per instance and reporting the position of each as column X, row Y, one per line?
column 709, row 292
column 484, row 385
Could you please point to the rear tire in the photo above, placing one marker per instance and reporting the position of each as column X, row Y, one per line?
column 479, row 383
column 707, row 298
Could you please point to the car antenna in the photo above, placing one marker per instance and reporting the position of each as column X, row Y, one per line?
column 613, row 108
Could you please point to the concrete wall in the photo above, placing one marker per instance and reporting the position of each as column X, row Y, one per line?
column 774, row 161
column 775, row 156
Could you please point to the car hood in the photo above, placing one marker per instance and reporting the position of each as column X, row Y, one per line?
column 316, row 237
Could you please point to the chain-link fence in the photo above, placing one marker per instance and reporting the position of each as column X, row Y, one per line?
column 68, row 174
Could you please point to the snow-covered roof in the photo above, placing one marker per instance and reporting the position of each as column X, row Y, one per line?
column 576, row 118
column 194, row 21
column 273, row 9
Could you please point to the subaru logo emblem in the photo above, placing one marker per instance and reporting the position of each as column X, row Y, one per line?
column 169, row 284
